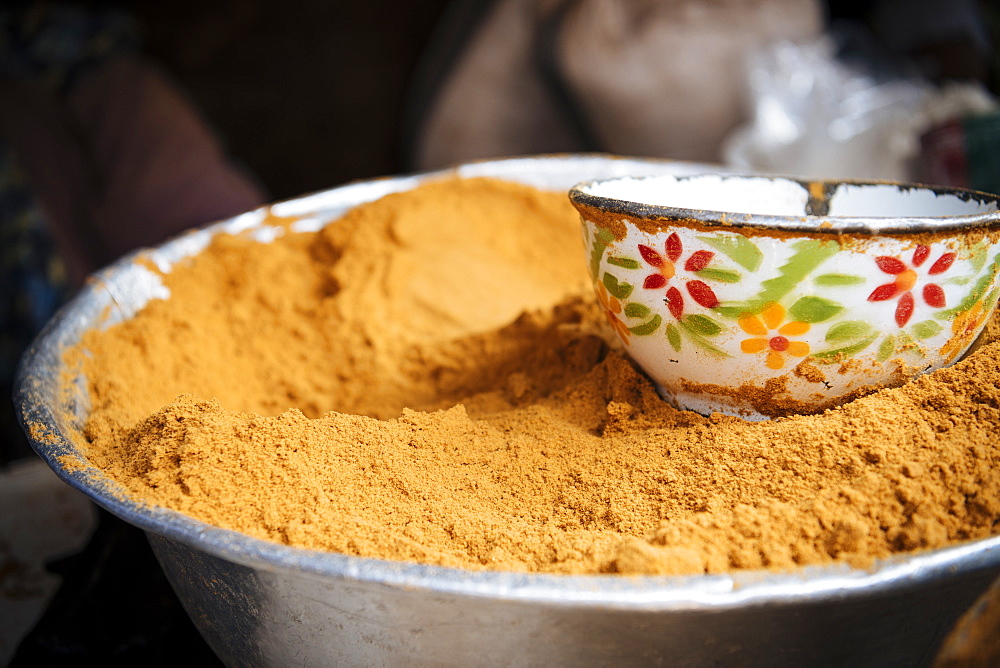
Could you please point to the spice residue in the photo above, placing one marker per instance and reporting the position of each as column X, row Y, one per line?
column 430, row 379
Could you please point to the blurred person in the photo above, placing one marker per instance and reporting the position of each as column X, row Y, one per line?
column 640, row 77
column 99, row 154
column 658, row 78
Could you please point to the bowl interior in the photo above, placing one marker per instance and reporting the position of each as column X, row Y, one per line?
column 892, row 201
column 763, row 200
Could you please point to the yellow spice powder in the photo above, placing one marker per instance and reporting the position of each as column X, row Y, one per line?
column 429, row 379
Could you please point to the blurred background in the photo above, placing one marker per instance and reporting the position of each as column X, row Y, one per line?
column 311, row 94
column 306, row 94
column 123, row 123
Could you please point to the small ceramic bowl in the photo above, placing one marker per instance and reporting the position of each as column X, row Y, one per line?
column 764, row 296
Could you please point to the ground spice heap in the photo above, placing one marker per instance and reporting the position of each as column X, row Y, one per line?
column 429, row 379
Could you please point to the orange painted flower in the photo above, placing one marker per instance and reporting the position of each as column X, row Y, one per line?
column 612, row 309
column 771, row 336
column 964, row 329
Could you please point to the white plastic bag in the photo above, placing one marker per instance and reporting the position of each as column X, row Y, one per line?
column 813, row 116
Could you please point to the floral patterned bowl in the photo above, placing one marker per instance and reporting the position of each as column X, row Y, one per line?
column 763, row 296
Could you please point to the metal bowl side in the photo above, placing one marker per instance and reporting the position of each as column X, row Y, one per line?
column 261, row 603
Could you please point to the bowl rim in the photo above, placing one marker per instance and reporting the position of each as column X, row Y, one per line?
column 819, row 191
column 38, row 394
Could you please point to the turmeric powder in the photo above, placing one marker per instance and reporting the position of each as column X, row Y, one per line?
column 430, row 379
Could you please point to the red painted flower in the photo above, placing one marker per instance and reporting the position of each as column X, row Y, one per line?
column 665, row 264
column 906, row 279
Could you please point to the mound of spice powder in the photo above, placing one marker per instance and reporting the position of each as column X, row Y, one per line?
column 430, row 379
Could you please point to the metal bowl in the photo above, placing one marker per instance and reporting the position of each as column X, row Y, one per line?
column 260, row 603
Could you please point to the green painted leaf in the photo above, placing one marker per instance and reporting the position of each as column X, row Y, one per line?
column 732, row 310
column 991, row 299
column 886, row 348
column 647, row 328
column 721, row 275
column 624, row 262
column 616, row 289
column 977, row 255
column 925, row 330
column 674, row 337
column 737, row 248
column 702, row 324
column 602, row 237
column 837, row 354
column 636, row 310
column 958, row 280
column 814, row 309
column 850, row 330
column 907, row 345
column 979, row 289
column 809, row 254
column 699, row 341
column 833, row 280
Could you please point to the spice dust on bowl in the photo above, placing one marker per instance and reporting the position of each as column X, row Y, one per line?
column 425, row 444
